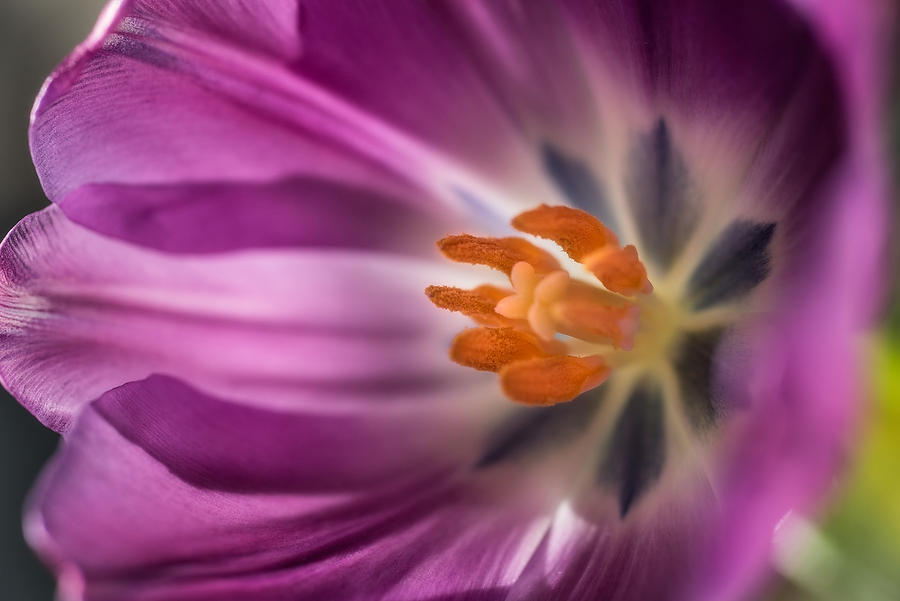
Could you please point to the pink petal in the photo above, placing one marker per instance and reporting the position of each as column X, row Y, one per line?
column 171, row 93
column 82, row 314
column 194, row 505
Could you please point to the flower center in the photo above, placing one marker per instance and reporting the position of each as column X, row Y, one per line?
column 551, row 337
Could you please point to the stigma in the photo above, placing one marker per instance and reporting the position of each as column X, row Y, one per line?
column 549, row 336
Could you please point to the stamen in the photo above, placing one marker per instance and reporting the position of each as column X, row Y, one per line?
column 577, row 232
column 551, row 380
column 478, row 303
column 588, row 241
column 489, row 349
column 498, row 253
column 519, row 339
column 620, row 270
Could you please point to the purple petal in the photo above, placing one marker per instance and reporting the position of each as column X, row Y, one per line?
column 172, row 93
column 858, row 38
column 193, row 542
column 267, row 91
column 178, row 491
column 107, row 116
column 82, row 314
column 745, row 88
column 786, row 454
column 703, row 60
column 783, row 453
column 218, row 445
column 213, row 217
column 584, row 559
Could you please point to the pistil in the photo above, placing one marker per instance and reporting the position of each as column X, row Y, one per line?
column 535, row 298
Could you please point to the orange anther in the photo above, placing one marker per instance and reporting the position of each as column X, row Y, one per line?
column 620, row 270
column 489, row 349
column 551, row 380
column 498, row 253
column 478, row 303
column 577, row 232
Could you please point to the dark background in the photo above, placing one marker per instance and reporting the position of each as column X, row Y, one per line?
column 34, row 36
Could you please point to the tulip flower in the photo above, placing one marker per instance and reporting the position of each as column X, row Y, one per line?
column 656, row 228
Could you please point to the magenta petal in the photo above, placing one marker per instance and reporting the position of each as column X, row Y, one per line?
column 274, row 31
column 166, row 93
column 748, row 78
column 169, row 538
column 708, row 58
column 784, row 457
column 214, row 444
column 197, row 505
column 82, row 313
column 93, row 124
column 212, row 217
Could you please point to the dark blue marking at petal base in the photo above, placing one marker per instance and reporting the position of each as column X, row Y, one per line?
column 635, row 456
column 694, row 366
column 737, row 262
column 661, row 196
column 538, row 428
column 577, row 183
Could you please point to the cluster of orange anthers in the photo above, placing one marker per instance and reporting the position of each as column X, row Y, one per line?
column 517, row 337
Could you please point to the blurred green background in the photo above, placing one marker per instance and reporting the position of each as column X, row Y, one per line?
column 852, row 554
